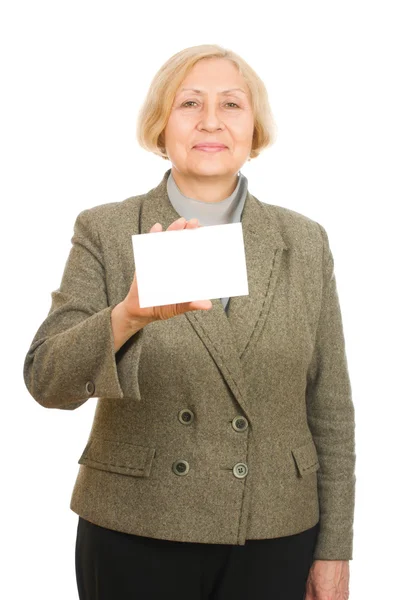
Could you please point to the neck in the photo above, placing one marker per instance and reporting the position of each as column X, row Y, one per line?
column 205, row 188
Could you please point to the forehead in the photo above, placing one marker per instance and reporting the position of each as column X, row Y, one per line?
column 204, row 92
column 216, row 74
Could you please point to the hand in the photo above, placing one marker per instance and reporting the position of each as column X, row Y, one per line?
column 328, row 580
column 160, row 313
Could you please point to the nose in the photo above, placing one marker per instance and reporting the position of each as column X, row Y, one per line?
column 210, row 118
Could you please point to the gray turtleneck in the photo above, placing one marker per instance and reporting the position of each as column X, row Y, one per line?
column 226, row 211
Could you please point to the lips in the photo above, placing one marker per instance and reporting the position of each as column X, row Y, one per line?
column 210, row 146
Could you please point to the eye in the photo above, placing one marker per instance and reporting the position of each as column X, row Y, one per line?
column 193, row 101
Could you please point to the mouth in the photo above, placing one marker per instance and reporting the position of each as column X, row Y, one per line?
column 209, row 148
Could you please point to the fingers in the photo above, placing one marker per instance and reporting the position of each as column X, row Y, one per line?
column 180, row 223
column 192, row 223
column 155, row 228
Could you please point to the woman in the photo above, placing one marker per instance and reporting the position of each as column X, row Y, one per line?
column 221, row 455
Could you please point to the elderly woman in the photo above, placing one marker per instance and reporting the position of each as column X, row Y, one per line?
column 220, row 463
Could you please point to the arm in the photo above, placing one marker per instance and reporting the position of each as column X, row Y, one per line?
column 72, row 355
column 330, row 413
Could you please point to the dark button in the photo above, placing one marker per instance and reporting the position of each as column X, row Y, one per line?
column 185, row 416
column 240, row 423
column 90, row 388
column 180, row 467
column 240, row 470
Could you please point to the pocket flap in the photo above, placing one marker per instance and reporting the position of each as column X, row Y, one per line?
column 118, row 457
column 306, row 458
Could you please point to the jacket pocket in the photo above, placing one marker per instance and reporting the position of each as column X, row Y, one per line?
column 306, row 458
column 118, row 457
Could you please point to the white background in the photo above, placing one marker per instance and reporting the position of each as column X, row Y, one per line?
column 73, row 76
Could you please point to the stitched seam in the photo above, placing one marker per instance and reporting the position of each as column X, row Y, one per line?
column 257, row 329
column 310, row 467
column 219, row 355
column 115, row 465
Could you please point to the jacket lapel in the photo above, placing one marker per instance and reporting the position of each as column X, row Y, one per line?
column 228, row 336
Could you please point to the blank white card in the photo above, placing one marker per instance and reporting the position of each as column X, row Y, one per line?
column 190, row 264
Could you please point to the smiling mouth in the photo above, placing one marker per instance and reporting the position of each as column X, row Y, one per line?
column 210, row 148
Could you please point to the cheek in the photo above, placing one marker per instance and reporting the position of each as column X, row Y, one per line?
column 242, row 132
column 243, row 140
column 178, row 129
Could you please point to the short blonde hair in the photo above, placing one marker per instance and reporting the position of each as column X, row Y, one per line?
column 155, row 111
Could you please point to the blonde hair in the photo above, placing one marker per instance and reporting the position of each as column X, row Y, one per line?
column 154, row 113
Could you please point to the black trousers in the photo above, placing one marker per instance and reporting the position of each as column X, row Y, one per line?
column 111, row 565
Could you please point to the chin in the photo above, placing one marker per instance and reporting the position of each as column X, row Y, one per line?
column 209, row 166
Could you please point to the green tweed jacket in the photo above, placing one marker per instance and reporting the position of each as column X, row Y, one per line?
column 209, row 427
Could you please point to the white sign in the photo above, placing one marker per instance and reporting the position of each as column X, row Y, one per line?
column 190, row 264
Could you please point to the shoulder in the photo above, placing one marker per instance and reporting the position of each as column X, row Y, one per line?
column 112, row 216
column 298, row 230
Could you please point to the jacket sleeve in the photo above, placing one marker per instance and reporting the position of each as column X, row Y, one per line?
column 71, row 357
column 331, row 418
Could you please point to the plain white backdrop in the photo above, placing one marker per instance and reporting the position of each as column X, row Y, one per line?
column 73, row 76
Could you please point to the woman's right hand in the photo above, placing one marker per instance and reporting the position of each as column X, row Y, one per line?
column 161, row 313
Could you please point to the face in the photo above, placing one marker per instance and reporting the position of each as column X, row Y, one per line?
column 203, row 111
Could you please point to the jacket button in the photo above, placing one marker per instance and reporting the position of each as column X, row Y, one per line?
column 240, row 423
column 185, row 416
column 240, row 470
column 180, row 467
column 90, row 387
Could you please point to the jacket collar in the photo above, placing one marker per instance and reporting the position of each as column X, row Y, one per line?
column 231, row 336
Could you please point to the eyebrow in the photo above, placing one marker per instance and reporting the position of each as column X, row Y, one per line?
column 223, row 93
